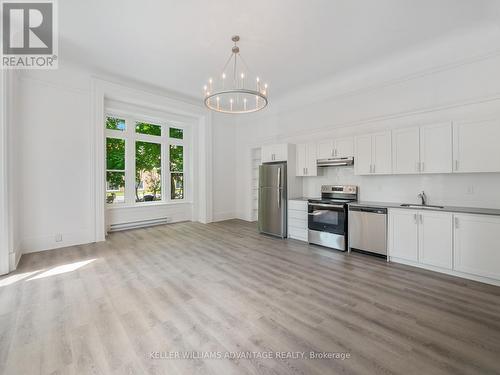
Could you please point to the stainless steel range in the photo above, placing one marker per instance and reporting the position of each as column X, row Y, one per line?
column 327, row 217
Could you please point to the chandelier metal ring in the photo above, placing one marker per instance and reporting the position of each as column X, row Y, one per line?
column 237, row 94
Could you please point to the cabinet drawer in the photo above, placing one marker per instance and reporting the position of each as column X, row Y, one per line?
column 299, row 215
column 300, row 224
column 297, row 205
column 297, row 233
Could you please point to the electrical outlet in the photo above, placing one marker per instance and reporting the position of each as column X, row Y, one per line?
column 470, row 189
column 58, row 237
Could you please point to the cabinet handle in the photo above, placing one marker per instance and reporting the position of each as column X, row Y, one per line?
column 421, row 219
column 456, row 165
column 336, row 152
column 456, row 222
column 415, row 218
column 374, row 168
column 306, row 170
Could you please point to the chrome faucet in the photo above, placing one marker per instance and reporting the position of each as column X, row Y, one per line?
column 422, row 197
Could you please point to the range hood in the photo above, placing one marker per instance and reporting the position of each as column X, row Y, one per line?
column 335, row 162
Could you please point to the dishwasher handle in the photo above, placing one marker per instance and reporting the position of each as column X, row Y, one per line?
column 374, row 210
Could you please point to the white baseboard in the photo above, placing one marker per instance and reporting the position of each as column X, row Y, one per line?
column 14, row 259
column 244, row 216
column 221, row 216
column 42, row 243
column 463, row 275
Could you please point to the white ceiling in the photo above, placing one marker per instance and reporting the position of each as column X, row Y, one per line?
column 178, row 44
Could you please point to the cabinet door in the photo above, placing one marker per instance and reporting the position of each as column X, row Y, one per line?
column 267, row 153
column 405, row 151
column 344, row 147
column 477, row 245
column 363, row 154
column 301, row 153
column 311, row 160
column 436, row 152
column 436, row 239
column 476, row 146
column 325, row 149
column 280, row 152
column 382, row 153
column 403, row 234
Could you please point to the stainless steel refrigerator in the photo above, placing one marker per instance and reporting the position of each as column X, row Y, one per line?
column 273, row 199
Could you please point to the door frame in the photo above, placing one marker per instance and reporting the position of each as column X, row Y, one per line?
column 5, row 207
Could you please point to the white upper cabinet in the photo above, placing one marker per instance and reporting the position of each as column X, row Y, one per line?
column 425, row 149
column 382, row 153
column 363, row 154
column 306, row 160
column 326, row 149
column 476, row 146
column 276, row 152
column 406, row 151
column 436, row 152
column 338, row 148
column 344, row 147
column 373, row 154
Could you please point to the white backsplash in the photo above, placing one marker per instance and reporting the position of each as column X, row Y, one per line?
column 472, row 190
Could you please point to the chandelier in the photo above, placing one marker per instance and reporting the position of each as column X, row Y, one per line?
column 234, row 91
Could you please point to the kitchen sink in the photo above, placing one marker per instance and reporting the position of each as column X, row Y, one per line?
column 424, row 206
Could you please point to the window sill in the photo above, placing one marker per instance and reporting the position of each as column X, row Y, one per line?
column 143, row 205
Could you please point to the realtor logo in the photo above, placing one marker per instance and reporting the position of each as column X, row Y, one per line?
column 29, row 35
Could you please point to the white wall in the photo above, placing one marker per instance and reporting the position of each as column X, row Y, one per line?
column 405, row 91
column 53, row 163
column 224, row 166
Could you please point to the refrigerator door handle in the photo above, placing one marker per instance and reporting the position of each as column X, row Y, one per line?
column 279, row 187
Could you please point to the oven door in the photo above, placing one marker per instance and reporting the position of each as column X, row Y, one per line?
column 325, row 217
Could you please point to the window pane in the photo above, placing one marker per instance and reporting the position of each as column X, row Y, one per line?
column 145, row 128
column 176, row 133
column 147, row 171
column 114, row 123
column 115, row 187
column 176, row 158
column 115, row 154
column 177, row 186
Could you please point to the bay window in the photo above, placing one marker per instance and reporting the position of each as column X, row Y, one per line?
column 145, row 161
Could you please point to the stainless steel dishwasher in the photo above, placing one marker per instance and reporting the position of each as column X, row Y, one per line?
column 368, row 229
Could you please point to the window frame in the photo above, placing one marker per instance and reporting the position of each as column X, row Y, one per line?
column 131, row 136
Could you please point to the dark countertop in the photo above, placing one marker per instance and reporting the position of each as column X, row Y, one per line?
column 465, row 210
column 302, row 198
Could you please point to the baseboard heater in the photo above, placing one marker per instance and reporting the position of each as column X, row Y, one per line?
column 138, row 224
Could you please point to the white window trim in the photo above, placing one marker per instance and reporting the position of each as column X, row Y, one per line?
column 130, row 136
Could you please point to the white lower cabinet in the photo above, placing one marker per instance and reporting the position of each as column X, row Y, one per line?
column 464, row 245
column 403, row 234
column 477, row 245
column 435, row 239
column 297, row 219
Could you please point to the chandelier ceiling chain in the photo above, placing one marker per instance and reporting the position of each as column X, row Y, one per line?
column 243, row 95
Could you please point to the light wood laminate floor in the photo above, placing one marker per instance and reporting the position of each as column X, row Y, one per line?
column 108, row 308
